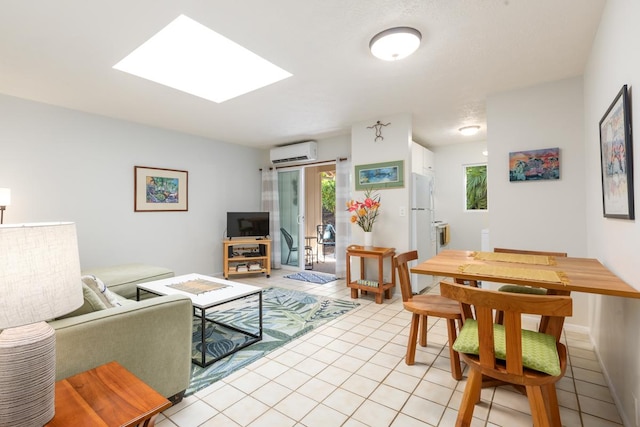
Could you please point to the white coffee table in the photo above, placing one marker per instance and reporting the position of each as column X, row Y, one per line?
column 207, row 299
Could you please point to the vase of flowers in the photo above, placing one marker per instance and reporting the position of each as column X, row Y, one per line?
column 364, row 213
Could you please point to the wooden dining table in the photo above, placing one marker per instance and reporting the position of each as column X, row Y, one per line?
column 559, row 275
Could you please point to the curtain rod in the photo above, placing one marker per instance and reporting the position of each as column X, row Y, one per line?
column 342, row 159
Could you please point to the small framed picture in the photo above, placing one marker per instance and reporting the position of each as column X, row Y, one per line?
column 380, row 175
column 617, row 159
column 160, row 190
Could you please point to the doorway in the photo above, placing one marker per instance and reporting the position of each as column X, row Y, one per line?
column 320, row 208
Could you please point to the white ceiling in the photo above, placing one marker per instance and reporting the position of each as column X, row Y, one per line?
column 62, row 52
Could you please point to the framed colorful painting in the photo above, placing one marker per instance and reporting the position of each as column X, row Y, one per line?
column 380, row 175
column 534, row 165
column 617, row 158
column 160, row 190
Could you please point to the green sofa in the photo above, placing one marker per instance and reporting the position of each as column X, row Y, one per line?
column 150, row 338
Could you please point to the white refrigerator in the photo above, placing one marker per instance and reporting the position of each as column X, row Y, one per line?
column 423, row 231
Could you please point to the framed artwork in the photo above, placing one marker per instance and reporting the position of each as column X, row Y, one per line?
column 534, row 165
column 617, row 158
column 380, row 175
column 160, row 190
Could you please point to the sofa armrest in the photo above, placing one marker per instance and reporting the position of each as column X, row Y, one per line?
column 150, row 338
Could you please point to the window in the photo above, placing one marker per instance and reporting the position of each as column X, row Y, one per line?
column 475, row 182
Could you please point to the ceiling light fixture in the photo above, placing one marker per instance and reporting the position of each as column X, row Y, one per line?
column 469, row 130
column 192, row 58
column 395, row 43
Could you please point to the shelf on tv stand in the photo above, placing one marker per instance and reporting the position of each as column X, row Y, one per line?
column 229, row 262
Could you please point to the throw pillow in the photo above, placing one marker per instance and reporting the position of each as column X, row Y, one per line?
column 539, row 351
column 91, row 303
column 107, row 297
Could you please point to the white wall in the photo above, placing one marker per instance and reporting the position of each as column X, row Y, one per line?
column 613, row 62
column 63, row 165
column 539, row 215
column 390, row 229
column 465, row 226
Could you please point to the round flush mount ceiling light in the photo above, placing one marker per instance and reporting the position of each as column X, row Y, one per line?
column 469, row 130
column 395, row 43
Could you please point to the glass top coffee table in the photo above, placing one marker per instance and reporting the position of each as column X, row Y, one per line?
column 206, row 293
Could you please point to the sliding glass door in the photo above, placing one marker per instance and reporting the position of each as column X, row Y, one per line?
column 291, row 197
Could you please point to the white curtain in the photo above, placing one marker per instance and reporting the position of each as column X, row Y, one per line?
column 271, row 204
column 343, row 224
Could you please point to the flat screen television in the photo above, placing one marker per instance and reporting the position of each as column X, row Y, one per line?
column 247, row 224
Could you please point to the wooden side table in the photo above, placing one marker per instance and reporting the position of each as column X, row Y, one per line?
column 379, row 287
column 106, row 396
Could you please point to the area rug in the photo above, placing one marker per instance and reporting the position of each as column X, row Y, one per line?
column 287, row 315
column 307, row 276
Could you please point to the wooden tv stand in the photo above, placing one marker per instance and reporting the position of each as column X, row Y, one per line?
column 242, row 251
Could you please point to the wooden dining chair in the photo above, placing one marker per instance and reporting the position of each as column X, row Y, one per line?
column 519, row 288
column 422, row 306
column 508, row 353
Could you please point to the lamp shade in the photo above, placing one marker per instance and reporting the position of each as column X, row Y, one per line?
column 40, row 275
column 5, row 196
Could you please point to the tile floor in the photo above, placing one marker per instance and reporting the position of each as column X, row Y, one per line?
column 351, row 372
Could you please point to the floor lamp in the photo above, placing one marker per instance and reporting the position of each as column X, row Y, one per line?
column 39, row 280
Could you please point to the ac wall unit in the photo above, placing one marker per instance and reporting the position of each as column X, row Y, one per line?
column 301, row 152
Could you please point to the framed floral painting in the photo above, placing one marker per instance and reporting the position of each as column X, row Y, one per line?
column 160, row 190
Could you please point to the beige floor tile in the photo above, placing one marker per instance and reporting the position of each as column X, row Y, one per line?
column 599, row 409
column 390, row 397
column 273, row 418
column 296, row 406
column 433, row 392
column 504, row 416
column 360, row 385
column 224, row 397
column 323, row 416
column 594, row 391
column 250, row 382
column 292, row 379
column 424, row 410
column 401, row 381
column 271, row 393
column 316, row 389
column 334, row 375
column 372, row 413
column 193, row 415
column 403, row 420
column 343, row 401
column 246, row 410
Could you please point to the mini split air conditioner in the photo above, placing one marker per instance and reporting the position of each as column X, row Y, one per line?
column 301, row 152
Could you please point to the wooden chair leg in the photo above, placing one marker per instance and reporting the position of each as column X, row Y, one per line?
column 456, row 370
column 539, row 414
column 423, row 331
column 550, row 397
column 410, row 358
column 499, row 317
column 469, row 398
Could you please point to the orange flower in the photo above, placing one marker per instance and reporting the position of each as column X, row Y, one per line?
column 365, row 213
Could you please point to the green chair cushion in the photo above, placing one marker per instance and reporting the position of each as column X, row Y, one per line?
column 517, row 289
column 539, row 351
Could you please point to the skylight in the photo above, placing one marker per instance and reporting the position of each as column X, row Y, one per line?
column 188, row 56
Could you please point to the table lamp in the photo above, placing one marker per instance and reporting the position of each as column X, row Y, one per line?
column 39, row 280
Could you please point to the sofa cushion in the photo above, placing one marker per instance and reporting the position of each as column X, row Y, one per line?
column 105, row 295
column 92, row 302
column 122, row 279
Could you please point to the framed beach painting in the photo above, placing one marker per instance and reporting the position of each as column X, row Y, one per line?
column 160, row 190
column 617, row 158
column 380, row 175
column 534, row 165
